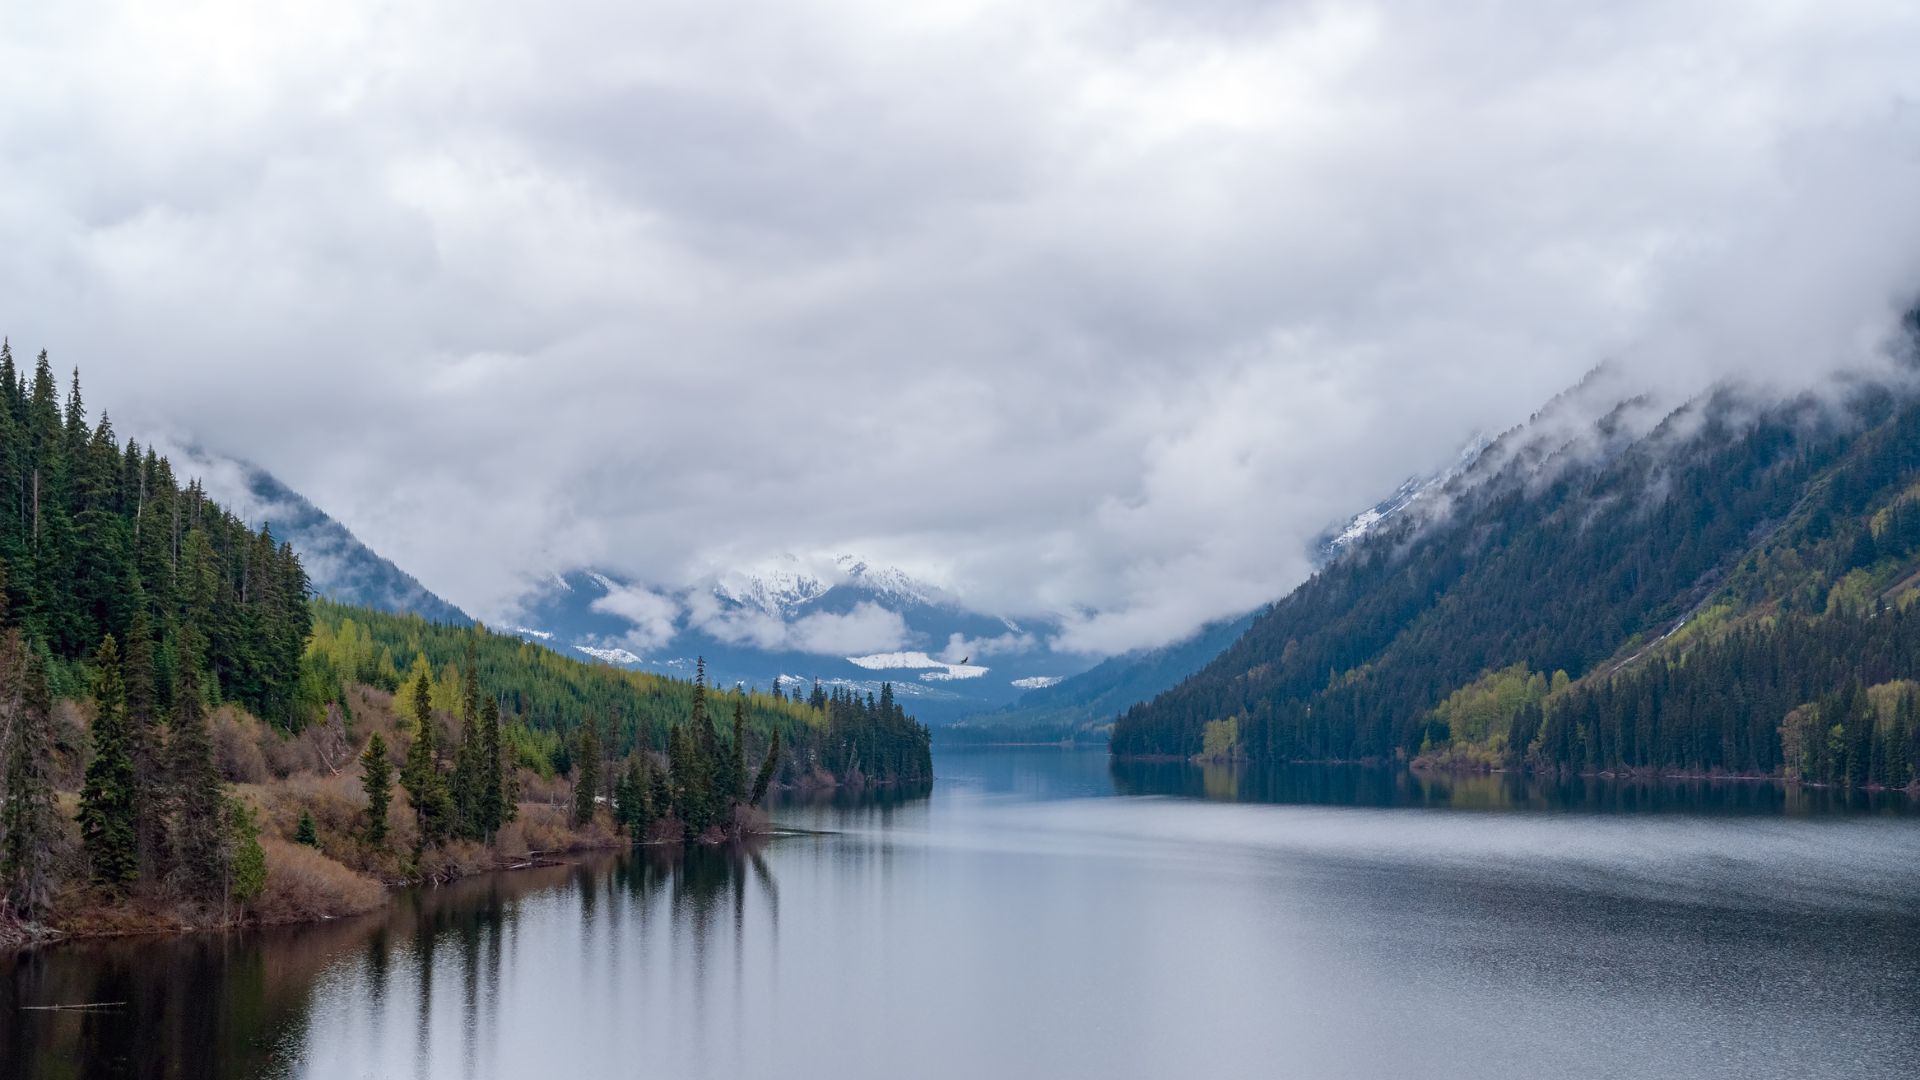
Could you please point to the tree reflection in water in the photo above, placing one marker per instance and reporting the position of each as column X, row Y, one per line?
column 240, row 1004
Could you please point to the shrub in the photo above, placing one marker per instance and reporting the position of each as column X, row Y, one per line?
column 303, row 884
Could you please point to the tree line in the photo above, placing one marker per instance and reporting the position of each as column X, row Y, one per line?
column 94, row 535
column 546, row 699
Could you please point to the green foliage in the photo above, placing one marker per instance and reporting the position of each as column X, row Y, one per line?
column 633, row 797
column 1481, row 712
column 196, row 792
column 426, row 785
column 304, row 832
column 764, row 777
column 27, row 821
column 246, row 863
column 376, row 779
column 545, row 698
column 586, row 771
column 93, row 536
column 1221, row 739
column 108, row 826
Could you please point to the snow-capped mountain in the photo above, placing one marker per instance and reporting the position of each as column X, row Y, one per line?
column 842, row 621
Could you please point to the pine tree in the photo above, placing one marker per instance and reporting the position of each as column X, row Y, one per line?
column 586, row 772
column 107, row 800
column 734, row 782
column 243, row 863
column 635, row 798
column 765, row 777
column 426, row 785
column 27, row 820
column 495, row 808
column 469, row 764
column 305, row 832
column 145, row 744
column 196, row 792
column 376, row 779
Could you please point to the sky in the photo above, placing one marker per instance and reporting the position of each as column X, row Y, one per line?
column 1100, row 311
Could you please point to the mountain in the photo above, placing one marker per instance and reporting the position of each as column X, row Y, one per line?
column 340, row 567
column 1084, row 704
column 1407, row 496
column 1611, row 586
column 846, row 623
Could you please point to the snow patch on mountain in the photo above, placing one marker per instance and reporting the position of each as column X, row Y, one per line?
column 611, row 656
column 1039, row 682
column 1406, row 495
column 528, row 631
column 943, row 671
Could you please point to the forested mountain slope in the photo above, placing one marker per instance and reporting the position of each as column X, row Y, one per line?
column 339, row 565
column 546, row 697
column 1602, row 596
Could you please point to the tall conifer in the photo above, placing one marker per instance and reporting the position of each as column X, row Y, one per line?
column 107, row 800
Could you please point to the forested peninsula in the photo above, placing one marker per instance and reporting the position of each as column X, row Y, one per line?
column 189, row 740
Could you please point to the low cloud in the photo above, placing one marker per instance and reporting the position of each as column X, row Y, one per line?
column 654, row 617
column 865, row 628
column 1099, row 309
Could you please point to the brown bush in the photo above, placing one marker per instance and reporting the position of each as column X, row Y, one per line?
column 236, row 746
column 547, row 791
column 456, row 859
column 303, row 884
column 71, row 722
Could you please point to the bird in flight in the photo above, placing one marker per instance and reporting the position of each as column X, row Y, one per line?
column 964, row 661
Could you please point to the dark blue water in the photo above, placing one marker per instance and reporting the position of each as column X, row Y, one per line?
column 1043, row 914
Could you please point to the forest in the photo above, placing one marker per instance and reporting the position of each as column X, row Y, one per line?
column 1729, row 593
column 187, row 738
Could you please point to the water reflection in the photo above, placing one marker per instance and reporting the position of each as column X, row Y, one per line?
column 1024, row 921
column 243, row 1004
column 1383, row 786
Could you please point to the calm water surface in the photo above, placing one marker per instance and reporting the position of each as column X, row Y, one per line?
column 1045, row 915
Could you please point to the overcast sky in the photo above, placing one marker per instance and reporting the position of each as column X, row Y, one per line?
column 1101, row 310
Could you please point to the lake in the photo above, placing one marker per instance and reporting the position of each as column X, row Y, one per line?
column 1044, row 914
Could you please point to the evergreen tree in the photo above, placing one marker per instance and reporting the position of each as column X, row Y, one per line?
column 243, row 863
column 469, row 762
column 659, row 792
column 586, row 772
column 305, row 832
column 376, row 779
column 635, row 797
column 734, row 775
column 495, row 808
column 27, row 820
column 196, row 793
column 765, row 777
column 144, row 743
column 108, row 826
column 426, row 785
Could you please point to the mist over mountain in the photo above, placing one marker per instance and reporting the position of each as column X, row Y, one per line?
column 842, row 622
column 338, row 565
column 1618, row 583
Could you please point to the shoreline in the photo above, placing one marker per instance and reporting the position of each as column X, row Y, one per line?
column 155, row 916
column 1432, row 768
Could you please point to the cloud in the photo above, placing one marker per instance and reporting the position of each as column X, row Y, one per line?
column 1094, row 309
column 865, row 628
column 960, row 646
column 653, row 616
